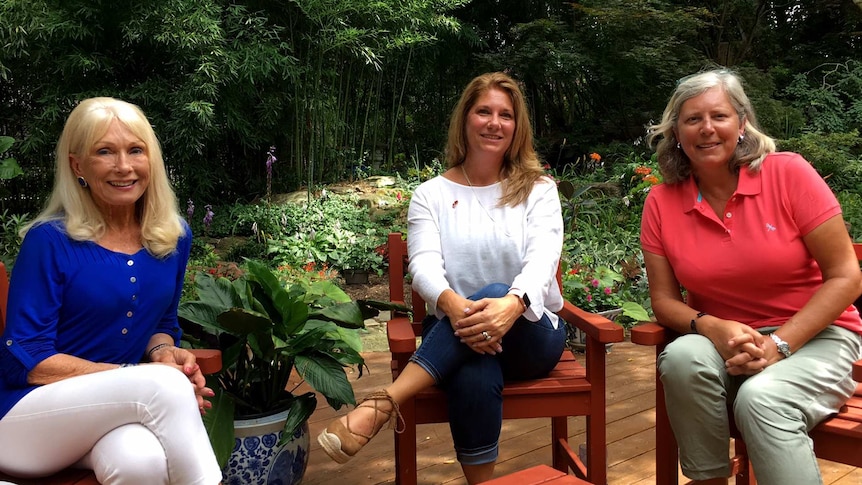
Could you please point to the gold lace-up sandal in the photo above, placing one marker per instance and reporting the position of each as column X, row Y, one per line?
column 339, row 442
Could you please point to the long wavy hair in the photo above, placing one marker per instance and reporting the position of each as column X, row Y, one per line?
column 674, row 164
column 521, row 165
column 161, row 223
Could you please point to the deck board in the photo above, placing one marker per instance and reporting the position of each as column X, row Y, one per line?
column 524, row 442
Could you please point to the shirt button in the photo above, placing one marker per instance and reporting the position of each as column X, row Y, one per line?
column 130, row 262
column 125, row 331
column 728, row 215
column 133, row 279
column 129, row 314
column 9, row 343
column 134, row 297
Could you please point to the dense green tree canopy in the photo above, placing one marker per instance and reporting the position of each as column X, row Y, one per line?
column 341, row 86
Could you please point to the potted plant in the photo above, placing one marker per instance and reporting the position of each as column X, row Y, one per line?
column 603, row 291
column 361, row 255
column 266, row 331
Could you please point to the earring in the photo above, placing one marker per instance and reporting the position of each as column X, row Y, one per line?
column 678, row 146
column 741, row 138
column 83, row 183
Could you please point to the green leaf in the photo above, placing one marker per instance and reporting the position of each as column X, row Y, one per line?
column 6, row 143
column 635, row 311
column 325, row 375
column 218, row 422
column 300, row 410
column 343, row 314
column 244, row 322
column 9, row 169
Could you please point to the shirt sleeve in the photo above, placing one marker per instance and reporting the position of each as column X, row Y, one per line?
column 426, row 254
column 35, row 295
column 544, row 244
column 651, row 240
column 811, row 199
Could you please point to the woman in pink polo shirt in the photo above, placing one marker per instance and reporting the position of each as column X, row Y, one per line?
column 747, row 255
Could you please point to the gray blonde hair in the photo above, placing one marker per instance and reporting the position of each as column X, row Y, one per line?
column 674, row 164
column 161, row 223
column 521, row 165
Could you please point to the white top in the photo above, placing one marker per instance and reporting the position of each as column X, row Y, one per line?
column 460, row 239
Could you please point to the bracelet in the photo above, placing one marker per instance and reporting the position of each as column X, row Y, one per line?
column 694, row 322
column 154, row 349
column 127, row 365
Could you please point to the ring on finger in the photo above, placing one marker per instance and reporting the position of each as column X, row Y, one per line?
column 486, row 335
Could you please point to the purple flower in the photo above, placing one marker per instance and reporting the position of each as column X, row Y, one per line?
column 595, row 283
column 208, row 218
column 190, row 208
column 270, row 159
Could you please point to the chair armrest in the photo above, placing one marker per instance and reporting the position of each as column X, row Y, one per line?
column 399, row 333
column 857, row 371
column 595, row 326
column 209, row 360
column 651, row 333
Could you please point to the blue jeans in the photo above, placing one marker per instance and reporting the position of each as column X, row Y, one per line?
column 474, row 382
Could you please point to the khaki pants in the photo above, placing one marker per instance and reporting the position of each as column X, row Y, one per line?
column 774, row 410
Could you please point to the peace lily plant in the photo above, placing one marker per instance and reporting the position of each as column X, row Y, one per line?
column 265, row 331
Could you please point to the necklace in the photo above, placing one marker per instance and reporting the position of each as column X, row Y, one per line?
column 467, row 178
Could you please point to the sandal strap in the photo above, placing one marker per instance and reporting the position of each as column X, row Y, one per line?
column 394, row 413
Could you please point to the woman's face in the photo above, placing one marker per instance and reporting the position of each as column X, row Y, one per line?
column 117, row 168
column 708, row 128
column 490, row 124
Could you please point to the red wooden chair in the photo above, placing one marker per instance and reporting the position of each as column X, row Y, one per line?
column 208, row 359
column 571, row 389
column 838, row 438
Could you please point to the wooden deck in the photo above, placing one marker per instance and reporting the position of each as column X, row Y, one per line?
column 631, row 448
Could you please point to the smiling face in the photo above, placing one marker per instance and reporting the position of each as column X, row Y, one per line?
column 490, row 124
column 116, row 168
column 708, row 129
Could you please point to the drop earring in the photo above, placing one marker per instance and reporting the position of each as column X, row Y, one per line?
column 83, row 183
column 741, row 138
column 678, row 146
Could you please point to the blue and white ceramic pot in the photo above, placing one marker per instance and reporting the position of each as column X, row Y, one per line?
column 256, row 458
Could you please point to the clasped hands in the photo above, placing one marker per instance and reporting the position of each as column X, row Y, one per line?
column 745, row 350
column 186, row 362
column 488, row 316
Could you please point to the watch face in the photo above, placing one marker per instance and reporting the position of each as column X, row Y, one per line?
column 526, row 300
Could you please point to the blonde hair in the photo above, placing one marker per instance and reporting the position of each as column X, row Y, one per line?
column 673, row 162
column 161, row 223
column 521, row 165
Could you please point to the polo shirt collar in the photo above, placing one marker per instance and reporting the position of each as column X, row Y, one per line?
column 749, row 184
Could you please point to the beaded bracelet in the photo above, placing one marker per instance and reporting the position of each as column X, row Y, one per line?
column 154, row 349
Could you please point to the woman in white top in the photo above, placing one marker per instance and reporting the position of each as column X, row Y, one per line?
column 484, row 244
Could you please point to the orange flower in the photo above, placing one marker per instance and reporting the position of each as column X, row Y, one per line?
column 596, row 157
column 309, row 267
column 651, row 179
column 643, row 170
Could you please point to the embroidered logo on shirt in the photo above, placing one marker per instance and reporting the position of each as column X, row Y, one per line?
column 455, row 204
column 770, row 227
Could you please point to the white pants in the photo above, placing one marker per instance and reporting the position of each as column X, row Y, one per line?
column 136, row 425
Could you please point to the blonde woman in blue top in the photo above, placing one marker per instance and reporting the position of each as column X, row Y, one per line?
column 93, row 293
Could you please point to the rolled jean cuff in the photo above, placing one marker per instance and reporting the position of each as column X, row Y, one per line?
column 478, row 456
column 423, row 363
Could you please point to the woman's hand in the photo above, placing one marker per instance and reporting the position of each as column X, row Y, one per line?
column 742, row 347
column 186, row 362
column 491, row 316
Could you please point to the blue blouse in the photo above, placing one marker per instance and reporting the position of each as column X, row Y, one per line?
column 81, row 299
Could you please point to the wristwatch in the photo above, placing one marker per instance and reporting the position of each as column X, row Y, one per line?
column 782, row 346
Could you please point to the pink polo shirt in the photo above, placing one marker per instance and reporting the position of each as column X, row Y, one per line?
column 752, row 267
